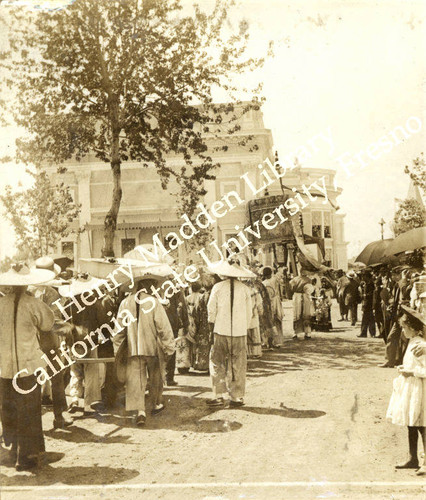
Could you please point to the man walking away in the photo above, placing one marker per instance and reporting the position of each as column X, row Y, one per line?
column 150, row 340
column 229, row 316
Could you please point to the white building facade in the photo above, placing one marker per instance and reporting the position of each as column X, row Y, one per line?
column 147, row 209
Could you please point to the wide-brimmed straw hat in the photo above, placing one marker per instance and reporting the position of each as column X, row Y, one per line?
column 23, row 275
column 49, row 264
column 233, row 270
column 83, row 283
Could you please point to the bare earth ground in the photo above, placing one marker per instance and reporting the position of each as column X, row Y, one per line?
column 313, row 427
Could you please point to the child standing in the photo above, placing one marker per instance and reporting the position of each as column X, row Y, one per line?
column 407, row 405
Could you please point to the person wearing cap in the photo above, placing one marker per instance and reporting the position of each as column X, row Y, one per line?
column 229, row 315
column 50, row 343
column 24, row 320
column 407, row 406
column 150, row 342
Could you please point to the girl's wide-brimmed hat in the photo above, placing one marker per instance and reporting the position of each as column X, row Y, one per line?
column 23, row 275
column 83, row 283
column 415, row 314
column 229, row 270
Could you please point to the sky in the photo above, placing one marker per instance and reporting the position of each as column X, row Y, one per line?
column 352, row 69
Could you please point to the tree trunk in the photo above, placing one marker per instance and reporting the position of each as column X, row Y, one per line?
column 110, row 223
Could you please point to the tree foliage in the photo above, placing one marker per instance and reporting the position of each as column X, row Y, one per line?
column 417, row 172
column 40, row 215
column 128, row 80
column 410, row 214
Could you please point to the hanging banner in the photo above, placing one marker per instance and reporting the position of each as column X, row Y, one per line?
column 256, row 209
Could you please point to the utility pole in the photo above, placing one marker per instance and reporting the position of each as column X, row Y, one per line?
column 382, row 223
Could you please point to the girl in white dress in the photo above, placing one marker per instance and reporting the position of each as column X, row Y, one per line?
column 407, row 405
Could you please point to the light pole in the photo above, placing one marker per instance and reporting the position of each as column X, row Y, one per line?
column 382, row 223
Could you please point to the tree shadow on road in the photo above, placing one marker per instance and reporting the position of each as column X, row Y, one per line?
column 319, row 353
column 190, row 411
column 76, row 434
column 77, row 475
column 285, row 412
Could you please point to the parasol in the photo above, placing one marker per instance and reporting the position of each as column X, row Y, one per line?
column 414, row 239
column 374, row 252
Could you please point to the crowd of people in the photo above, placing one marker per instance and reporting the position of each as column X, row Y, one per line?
column 231, row 314
column 381, row 291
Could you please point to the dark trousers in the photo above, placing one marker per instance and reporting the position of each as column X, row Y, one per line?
column 342, row 307
column 58, row 394
column 386, row 323
column 171, row 368
column 378, row 316
column 21, row 418
column 110, row 388
column 368, row 323
column 57, row 381
column 171, row 363
column 395, row 346
column 353, row 313
column 58, row 385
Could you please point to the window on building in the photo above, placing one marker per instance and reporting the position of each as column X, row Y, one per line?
column 317, row 224
column 327, row 224
column 127, row 244
column 67, row 249
column 227, row 187
column 321, row 224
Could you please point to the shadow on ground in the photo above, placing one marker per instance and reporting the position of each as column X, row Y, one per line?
column 335, row 353
column 78, row 475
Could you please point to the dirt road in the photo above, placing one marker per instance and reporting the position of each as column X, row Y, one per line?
column 313, row 427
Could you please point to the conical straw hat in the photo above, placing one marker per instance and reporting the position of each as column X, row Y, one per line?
column 22, row 275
